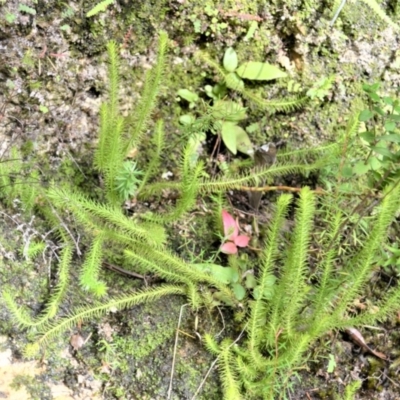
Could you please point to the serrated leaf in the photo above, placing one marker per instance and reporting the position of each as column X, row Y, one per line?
column 230, row 61
column 228, row 111
column 233, row 82
column 259, row 71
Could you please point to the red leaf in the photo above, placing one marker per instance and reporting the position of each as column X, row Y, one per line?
column 231, row 229
column 242, row 241
column 229, row 248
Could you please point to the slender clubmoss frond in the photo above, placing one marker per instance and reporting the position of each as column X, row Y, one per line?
column 86, row 313
column 253, row 178
column 158, row 143
column 162, row 270
column 258, row 315
column 22, row 316
column 276, row 105
column 110, row 123
column 327, row 286
column 98, row 8
column 138, row 121
column 211, row 344
column 294, row 270
column 286, row 303
column 90, row 268
column 83, row 208
column 359, row 267
column 229, row 377
column 375, row 7
column 329, row 151
column 172, row 267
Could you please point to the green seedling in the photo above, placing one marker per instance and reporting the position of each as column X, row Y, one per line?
column 225, row 114
column 380, row 137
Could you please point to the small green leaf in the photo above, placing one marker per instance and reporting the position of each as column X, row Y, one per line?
column 387, row 100
column 229, row 134
column 365, row 115
column 370, row 88
column 393, row 117
column 384, row 151
column 268, row 292
column 374, row 97
column 368, row 136
column 222, row 274
column 10, row 18
column 187, row 119
column 379, row 111
column 374, row 163
column 270, row 281
column 65, row 28
column 250, row 32
column 243, row 143
column 230, row 61
column 43, row 109
column 239, row 291
column 251, row 281
column 189, row 96
column 347, row 171
column 26, row 9
column 360, row 168
column 346, row 187
column 394, row 137
column 390, row 126
column 321, row 88
column 194, row 144
column 331, row 364
column 255, row 70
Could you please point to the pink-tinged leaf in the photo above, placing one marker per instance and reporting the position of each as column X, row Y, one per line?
column 242, row 241
column 229, row 248
column 231, row 229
